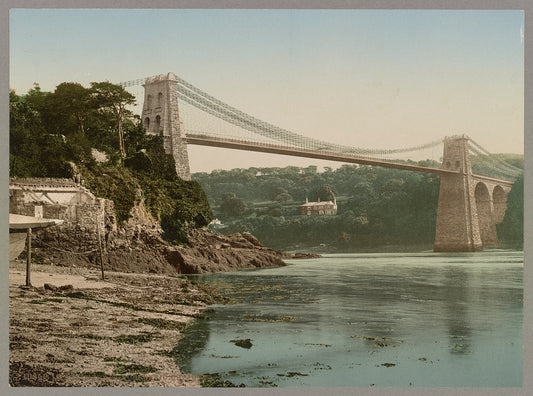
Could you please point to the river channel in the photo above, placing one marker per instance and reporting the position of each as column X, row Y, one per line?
column 364, row 320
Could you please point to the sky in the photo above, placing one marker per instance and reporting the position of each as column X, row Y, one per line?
column 366, row 78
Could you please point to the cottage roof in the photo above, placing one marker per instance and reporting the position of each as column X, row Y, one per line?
column 318, row 203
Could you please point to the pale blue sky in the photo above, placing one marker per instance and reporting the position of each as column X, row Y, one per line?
column 371, row 78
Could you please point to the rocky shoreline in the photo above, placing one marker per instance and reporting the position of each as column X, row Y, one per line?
column 71, row 328
column 137, row 247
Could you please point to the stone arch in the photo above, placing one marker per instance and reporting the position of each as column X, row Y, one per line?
column 147, row 123
column 484, row 211
column 149, row 101
column 158, row 125
column 499, row 200
column 159, row 99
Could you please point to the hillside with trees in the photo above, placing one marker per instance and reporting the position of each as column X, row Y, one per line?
column 61, row 134
column 378, row 208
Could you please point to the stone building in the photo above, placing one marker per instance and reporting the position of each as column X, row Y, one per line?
column 319, row 208
column 61, row 199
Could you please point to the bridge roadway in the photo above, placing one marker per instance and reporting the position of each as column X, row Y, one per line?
column 205, row 140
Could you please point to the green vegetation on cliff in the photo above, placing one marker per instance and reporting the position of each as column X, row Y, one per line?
column 54, row 134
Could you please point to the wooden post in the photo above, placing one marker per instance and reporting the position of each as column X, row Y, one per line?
column 28, row 258
column 100, row 250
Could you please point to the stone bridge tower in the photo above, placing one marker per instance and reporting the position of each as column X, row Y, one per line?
column 469, row 205
column 161, row 117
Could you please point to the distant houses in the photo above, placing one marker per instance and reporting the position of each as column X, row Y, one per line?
column 319, row 208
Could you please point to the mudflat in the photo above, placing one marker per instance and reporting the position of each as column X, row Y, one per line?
column 71, row 328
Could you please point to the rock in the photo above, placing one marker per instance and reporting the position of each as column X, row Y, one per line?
column 49, row 286
column 250, row 238
column 137, row 246
column 306, row 255
column 247, row 343
column 66, row 288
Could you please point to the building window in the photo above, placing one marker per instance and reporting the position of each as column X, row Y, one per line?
column 147, row 123
column 158, row 128
column 149, row 102
column 159, row 99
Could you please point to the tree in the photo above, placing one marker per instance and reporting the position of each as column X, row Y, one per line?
column 36, row 99
column 283, row 197
column 232, row 205
column 326, row 192
column 227, row 196
column 33, row 152
column 277, row 191
column 69, row 101
column 511, row 229
column 114, row 98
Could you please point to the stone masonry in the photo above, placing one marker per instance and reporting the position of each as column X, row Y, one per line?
column 85, row 216
column 469, row 206
column 161, row 117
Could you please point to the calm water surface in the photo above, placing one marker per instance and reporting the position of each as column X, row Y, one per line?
column 359, row 320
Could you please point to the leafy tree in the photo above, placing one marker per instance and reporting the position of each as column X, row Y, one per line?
column 326, row 192
column 70, row 104
column 227, row 196
column 33, row 151
column 276, row 212
column 232, row 205
column 277, row 191
column 36, row 99
column 114, row 98
column 511, row 229
column 283, row 197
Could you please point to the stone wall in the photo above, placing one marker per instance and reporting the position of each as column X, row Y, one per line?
column 59, row 199
column 84, row 216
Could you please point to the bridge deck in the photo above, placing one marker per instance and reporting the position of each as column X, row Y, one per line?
column 203, row 140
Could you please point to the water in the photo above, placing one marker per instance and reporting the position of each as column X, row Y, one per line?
column 360, row 320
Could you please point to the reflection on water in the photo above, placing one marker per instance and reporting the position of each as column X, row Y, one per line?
column 369, row 320
column 456, row 309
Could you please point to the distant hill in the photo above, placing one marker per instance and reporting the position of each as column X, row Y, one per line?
column 377, row 207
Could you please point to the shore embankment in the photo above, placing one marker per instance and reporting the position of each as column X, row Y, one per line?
column 70, row 328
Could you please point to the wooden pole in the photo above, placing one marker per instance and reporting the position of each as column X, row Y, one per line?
column 100, row 249
column 28, row 258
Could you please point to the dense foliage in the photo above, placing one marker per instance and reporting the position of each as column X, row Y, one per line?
column 511, row 230
column 377, row 207
column 54, row 134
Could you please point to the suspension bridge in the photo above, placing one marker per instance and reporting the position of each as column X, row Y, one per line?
column 470, row 204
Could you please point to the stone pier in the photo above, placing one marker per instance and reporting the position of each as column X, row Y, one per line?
column 470, row 206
